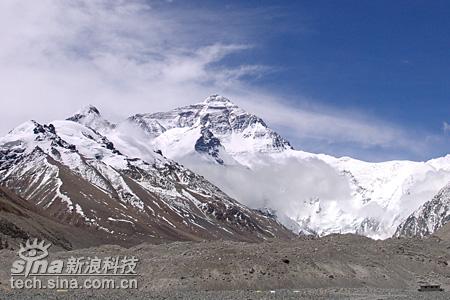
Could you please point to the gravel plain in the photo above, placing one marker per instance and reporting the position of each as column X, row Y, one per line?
column 331, row 267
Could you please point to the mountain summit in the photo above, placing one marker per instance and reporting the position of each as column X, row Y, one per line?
column 89, row 111
column 90, row 116
column 215, row 127
column 218, row 100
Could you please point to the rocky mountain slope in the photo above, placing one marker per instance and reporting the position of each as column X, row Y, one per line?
column 443, row 233
column 311, row 193
column 78, row 177
column 429, row 217
column 20, row 220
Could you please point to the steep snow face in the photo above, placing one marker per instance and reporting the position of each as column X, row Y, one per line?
column 430, row 216
column 318, row 193
column 218, row 120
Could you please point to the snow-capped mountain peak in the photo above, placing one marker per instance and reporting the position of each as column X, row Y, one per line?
column 90, row 116
column 90, row 109
column 87, row 111
column 218, row 101
column 216, row 128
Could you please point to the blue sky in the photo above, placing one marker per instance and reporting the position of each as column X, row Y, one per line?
column 368, row 79
column 387, row 59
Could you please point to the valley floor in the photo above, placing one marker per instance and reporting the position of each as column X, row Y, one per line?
column 331, row 267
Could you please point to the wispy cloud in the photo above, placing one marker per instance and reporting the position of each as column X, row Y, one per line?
column 139, row 56
column 339, row 132
column 125, row 56
column 446, row 127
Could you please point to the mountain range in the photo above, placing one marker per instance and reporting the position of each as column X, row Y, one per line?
column 211, row 170
column 78, row 177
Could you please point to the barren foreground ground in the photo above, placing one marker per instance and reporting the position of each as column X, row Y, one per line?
column 332, row 267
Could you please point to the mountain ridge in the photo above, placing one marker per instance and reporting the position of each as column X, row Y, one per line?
column 309, row 193
column 79, row 177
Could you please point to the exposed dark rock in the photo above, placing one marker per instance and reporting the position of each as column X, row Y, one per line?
column 209, row 144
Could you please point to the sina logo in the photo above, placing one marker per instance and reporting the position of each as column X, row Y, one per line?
column 33, row 260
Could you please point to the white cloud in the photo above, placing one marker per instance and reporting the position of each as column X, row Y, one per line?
column 124, row 56
column 446, row 127
column 328, row 126
column 131, row 56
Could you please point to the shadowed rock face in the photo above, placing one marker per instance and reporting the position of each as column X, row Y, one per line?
column 77, row 176
column 209, row 144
